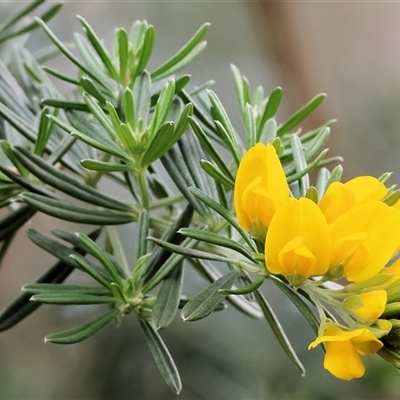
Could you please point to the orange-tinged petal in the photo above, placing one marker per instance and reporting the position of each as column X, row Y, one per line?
column 260, row 187
column 298, row 240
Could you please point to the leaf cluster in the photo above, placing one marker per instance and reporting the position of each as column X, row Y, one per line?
column 122, row 122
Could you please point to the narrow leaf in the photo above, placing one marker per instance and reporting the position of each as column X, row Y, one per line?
column 301, row 114
column 250, row 288
column 226, row 214
column 301, row 305
column 84, row 331
column 278, row 331
column 189, row 47
column 207, row 300
column 162, row 357
column 188, row 252
column 70, row 299
column 76, row 213
column 218, row 240
column 168, row 299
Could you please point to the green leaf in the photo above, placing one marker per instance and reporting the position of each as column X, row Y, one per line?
column 159, row 255
column 89, row 87
column 100, row 115
column 97, row 165
column 188, row 52
column 209, row 148
column 226, row 214
column 146, row 50
column 160, row 143
column 207, row 300
column 278, row 331
column 167, row 267
column 36, row 288
column 10, row 223
column 301, row 114
column 225, row 127
column 317, row 162
column 209, row 272
column 65, row 104
column 250, row 124
column 123, row 56
column 83, row 265
column 25, row 183
column 192, row 153
column 21, row 307
column 270, row 109
column 321, row 182
column 250, row 288
column 94, row 249
column 60, row 75
column 188, row 252
column 301, row 305
column 9, row 152
column 75, row 213
column 47, row 16
column 179, row 173
column 100, row 49
column 142, row 234
column 20, row 15
column 84, row 331
column 218, row 240
column 241, row 92
column 336, row 175
column 129, row 108
column 216, row 174
column 162, row 357
column 163, row 106
column 18, row 123
column 168, row 299
column 60, row 45
column 66, row 182
column 114, row 150
column 300, row 163
column 70, row 299
column 141, row 95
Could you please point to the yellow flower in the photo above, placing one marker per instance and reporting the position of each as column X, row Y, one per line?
column 365, row 239
column 343, row 349
column 341, row 197
column 298, row 243
column 368, row 306
column 260, row 188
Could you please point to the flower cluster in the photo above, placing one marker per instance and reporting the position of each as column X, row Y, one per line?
column 349, row 233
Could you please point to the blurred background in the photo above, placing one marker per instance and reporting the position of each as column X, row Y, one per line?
column 349, row 50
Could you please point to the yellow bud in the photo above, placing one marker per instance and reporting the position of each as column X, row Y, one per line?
column 260, row 188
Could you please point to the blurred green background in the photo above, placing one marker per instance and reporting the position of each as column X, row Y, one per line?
column 350, row 51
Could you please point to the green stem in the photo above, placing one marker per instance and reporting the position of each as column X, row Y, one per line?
column 95, row 176
column 167, row 201
column 141, row 177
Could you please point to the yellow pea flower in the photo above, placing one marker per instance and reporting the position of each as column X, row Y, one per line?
column 365, row 239
column 343, row 350
column 260, row 188
column 341, row 197
column 298, row 243
column 368, row 306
